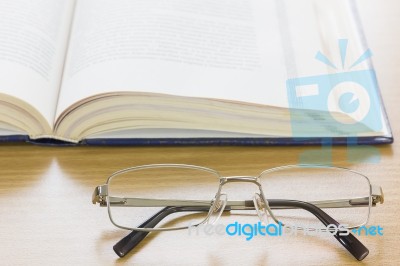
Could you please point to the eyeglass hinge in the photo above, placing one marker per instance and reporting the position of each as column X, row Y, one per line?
column 100, row 194
column 377, row 195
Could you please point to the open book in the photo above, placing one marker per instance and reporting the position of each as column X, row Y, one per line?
column 177, row 71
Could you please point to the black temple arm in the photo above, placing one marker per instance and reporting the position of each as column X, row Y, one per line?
column 135, row 237
column 350, row 242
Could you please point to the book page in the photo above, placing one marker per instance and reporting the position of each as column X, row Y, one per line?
column 202, row 48
column 33, row 41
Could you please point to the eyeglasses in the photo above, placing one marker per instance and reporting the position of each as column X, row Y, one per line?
column 163, row 197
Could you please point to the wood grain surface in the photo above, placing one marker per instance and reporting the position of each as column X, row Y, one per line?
column 47, row 217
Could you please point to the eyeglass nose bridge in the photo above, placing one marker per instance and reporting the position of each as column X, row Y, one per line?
column 260, row 196
column 249, row 179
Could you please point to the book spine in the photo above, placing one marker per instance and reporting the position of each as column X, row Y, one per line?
column 14, row 138
column 238, row 141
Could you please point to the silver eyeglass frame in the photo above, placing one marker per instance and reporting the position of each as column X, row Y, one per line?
column 101, row 196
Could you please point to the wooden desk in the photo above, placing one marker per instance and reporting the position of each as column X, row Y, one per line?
column 45, row 193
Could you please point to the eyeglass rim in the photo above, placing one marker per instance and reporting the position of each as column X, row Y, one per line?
column 150, row 166
column 165, row 165
column 321, row 166
column 274, row 169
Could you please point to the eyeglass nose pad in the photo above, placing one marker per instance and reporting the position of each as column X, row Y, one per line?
column 260, row 207
column 216, row 209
